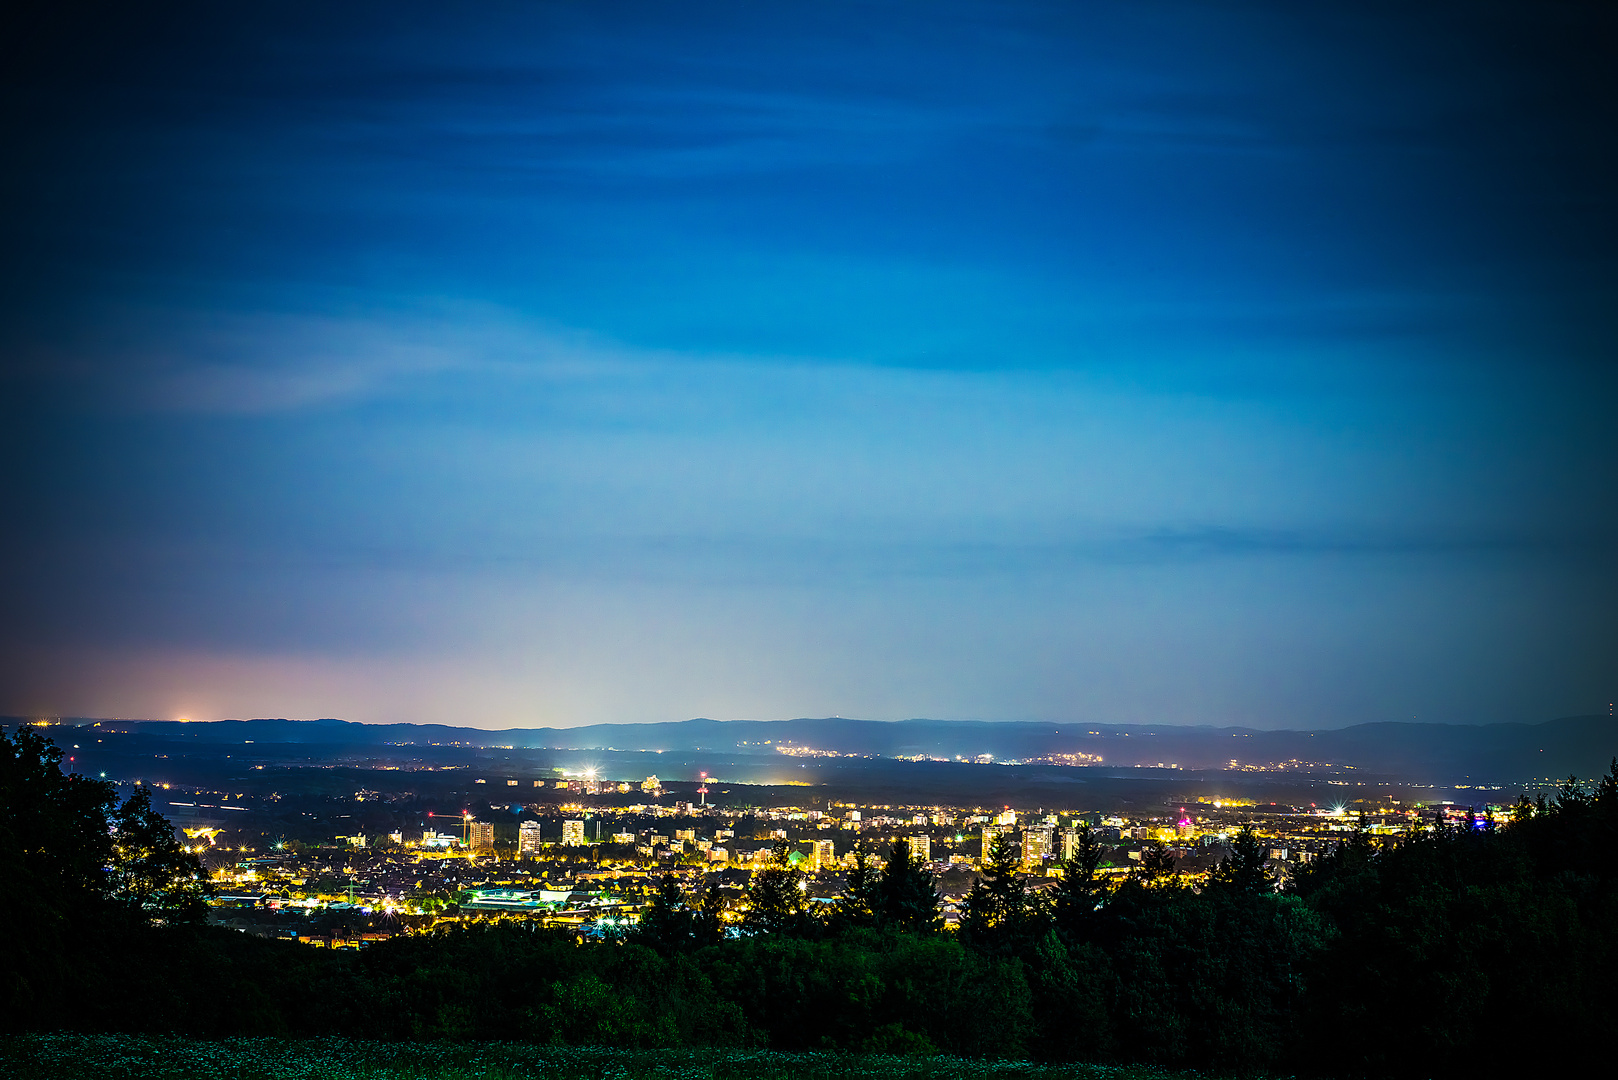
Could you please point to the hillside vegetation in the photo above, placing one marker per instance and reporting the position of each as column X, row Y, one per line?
column 1445, row 954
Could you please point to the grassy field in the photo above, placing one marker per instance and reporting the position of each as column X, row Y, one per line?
column 128, row 1057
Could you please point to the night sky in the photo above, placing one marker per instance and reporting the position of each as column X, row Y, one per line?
column 561, row 363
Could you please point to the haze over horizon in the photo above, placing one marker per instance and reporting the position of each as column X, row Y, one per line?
column 1103, row 363
column 744, row 720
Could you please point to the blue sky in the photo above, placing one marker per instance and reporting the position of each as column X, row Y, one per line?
column 566, row 363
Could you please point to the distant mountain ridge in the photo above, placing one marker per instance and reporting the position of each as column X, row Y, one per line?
column 1580, row 745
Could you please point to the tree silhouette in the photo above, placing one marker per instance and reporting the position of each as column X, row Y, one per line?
column 1244, row 868
column 70, row 850
column 54, row 838
column 997, row 910
column 151, row 873
column 1156, row 863
column 1081, row 888
column 776, row 902
column 907, row 893
column 671, row 924
column 857, row 905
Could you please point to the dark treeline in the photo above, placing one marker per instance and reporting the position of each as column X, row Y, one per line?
column 1448, row 953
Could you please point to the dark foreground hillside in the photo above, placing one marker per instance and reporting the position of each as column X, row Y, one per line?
column 1459, row 952
column 134, row 1057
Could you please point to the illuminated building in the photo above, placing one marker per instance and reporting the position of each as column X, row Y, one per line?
column 528, row 838
column 573, row 833
column 482, row 835
column 825, row 853
column 1036, row 844
column 921, row 848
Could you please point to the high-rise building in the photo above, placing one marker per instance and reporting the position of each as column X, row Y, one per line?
column 1006, row 817
column 825, row 854
column 482, row 835
column 1036, row 844
column 921, row 848
column 990, row 832
column 1070, row 843
column 573, row 834
column 528, row 838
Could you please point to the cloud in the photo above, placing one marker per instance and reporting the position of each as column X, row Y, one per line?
column 936, row 356
column 260, row 362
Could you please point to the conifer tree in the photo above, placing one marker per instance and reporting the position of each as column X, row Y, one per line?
column 997, row 908
column 907, row 893
column 1156, row 864
column 857, row 905
column 1244, row 868
column 1081, row 887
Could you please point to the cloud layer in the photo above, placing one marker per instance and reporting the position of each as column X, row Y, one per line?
column 1111, row 362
